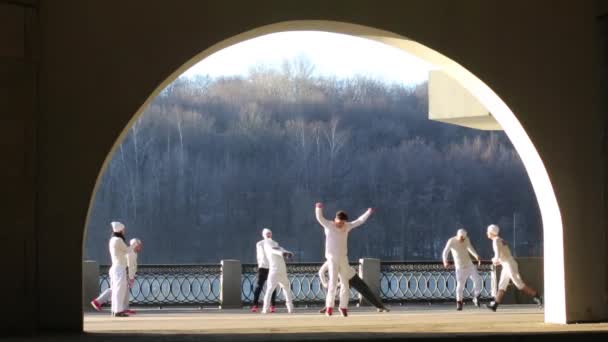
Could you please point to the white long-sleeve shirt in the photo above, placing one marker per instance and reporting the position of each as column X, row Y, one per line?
column 460, row 252
column 274, row 254
column 502, row 252
column 260, row 255
column 132, row 264
column 118, row 251
column 336, row 239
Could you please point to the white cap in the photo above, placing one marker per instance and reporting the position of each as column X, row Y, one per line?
column 135, row 242
column 493, row 229
column 461, row 233
column 265, row 231
column 117, row 227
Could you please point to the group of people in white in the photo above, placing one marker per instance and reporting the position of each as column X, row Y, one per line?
column 462, row 249
column 273, row 270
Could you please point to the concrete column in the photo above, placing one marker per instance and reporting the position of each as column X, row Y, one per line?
column 369, row 271
column 230, row 292
column 90, row 283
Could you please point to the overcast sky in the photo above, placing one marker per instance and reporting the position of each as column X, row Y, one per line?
column 332, row 54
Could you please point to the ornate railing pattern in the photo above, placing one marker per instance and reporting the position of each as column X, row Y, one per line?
column 304, row 280
column 163, row 285
column 428, row 281
column 172, row 284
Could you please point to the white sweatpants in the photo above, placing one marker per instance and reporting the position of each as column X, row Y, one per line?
column 510, row 272
column 462, row 274
column 120, row 288
column 278, row 279
column 338, row 269
column 106, row 295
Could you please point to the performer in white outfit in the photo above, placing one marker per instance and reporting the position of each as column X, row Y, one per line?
column 262, row 272
column 355, row 282
column 509, row 272
column 461, row 246
column 118, row 272
column 105, row 296
column 336, row 253
column 277, row 275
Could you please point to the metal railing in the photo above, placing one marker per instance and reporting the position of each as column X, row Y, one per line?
column 172, row 284
column 429, row 282
column 304, row 280
column 200, row 285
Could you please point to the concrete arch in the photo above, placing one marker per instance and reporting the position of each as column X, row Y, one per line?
column 77, row 71
column 553, row 238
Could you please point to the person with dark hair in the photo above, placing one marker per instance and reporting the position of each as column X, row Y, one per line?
column 105, row 296
column 262, row 273
column 118, row 271
column 358, row 284
column 509, row 272
column 336, row 253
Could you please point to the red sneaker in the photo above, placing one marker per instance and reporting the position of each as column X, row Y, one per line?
column 344, row 312
column 95, row 304
column 130, row 312
column 329, row 311
column 254, row 308
column 272, row 309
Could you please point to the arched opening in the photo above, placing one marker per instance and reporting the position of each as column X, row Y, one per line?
column 553, row 244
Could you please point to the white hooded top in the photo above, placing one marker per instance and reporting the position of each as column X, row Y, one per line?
column 460, row 252
column 118, row 251
column 502, row 252
column 261, row 255
column 336, row 239
column 274, row 254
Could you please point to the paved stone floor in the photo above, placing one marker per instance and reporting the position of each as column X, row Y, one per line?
column 437, row 322
column 419, row 319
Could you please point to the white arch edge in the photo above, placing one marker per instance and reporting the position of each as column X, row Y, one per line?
column 555, row 307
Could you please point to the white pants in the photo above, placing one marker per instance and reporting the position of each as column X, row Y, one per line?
column 120, row 288
column 106, row 295
column 278, row 279
column 338, row 269
column 510, row 272
column 462, row 274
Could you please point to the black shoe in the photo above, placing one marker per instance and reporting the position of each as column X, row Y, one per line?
column 492, row 306
column 538, row 300
column 384, row 309
column 459, row 306
column 476, row 301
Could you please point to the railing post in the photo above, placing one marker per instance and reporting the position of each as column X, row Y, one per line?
column 230, row 285
column 369, row 271
column 90, row 283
